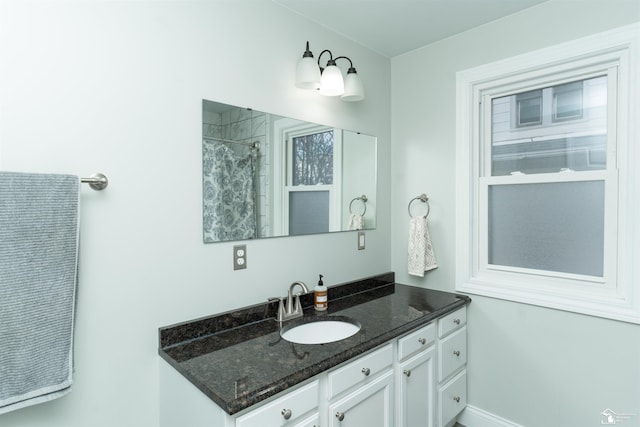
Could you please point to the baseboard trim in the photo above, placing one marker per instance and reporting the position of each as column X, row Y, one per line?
column 476, row 417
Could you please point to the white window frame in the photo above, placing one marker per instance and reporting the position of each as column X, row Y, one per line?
column 617, row 294
column 284, row 131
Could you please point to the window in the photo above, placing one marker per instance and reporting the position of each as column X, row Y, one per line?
column 307, row 177
column 551, row 104
column 528, row 108
column 544, row 178
column 567, row 101
column 309, row 180
column 576, row 141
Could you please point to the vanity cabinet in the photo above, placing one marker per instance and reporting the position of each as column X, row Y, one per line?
column 417, row 379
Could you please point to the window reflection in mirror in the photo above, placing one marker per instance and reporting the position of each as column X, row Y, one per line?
column 266, row 175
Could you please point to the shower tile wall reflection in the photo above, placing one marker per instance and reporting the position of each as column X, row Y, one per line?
column 244, row 125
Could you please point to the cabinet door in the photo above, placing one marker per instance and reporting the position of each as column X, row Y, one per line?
column 369, row 405
column 416, row 396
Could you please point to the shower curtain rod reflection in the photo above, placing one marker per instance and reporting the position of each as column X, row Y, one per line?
column 255, row 145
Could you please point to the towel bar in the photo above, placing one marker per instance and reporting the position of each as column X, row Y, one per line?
column 97, row 181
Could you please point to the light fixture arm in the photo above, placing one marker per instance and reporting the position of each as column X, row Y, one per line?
column 331, row 61
column 351, row 67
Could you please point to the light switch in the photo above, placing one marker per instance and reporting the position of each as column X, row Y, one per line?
column 360, row 240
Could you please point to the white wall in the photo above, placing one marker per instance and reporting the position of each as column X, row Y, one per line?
column 117, row 87
column 358, row 178
column 530, row 365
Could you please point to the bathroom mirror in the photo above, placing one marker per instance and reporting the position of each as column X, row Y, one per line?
column 266, row 175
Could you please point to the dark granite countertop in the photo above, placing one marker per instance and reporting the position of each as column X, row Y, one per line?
column 239, row 359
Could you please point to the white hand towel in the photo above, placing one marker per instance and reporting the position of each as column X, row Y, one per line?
column 421, row 257
column 356, row 222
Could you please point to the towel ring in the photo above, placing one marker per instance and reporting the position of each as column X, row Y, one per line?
column 424, row 199
column 364, row 203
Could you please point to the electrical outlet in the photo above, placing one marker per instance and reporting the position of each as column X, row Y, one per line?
column 240, row 257
column 360, row 240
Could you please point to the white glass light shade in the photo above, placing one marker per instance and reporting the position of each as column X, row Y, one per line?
column 353, row 88
column 331, row 82
column 307, row 74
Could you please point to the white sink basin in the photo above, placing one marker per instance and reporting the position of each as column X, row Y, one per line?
column 320, row 331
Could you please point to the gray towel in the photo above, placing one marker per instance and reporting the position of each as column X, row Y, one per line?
column 38, row 263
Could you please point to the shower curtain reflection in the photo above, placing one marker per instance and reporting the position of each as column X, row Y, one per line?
column 228, row 192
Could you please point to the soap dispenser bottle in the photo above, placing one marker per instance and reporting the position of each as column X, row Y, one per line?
column 320, row 300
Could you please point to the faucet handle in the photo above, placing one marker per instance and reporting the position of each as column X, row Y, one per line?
column 280, row 315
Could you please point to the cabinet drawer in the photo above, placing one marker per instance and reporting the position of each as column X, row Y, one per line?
column 452, row 321
column 298, row 402
column 452, row 353
column 452, row 398
column 416, row 341
column 361, row 369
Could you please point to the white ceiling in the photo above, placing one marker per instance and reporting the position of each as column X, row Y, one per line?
column 394, row 27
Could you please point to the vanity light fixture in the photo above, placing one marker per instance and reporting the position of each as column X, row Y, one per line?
column 328, row 81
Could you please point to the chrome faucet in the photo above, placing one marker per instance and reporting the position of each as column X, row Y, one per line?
column 297, row 310
column 291, row 308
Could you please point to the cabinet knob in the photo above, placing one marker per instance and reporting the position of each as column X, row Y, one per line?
column 456, row 398
column 422, row 341
column 340, row 415
column 286, row 413
column 407, row 372
column 456, row 352
column 366, row 372
column 456, row 321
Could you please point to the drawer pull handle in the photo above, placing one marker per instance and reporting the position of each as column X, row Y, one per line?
column 456, row 352
column 286, row 413
column 457, row 398
column 456, row 321
column 366, row 372
column 407, row 372
column 340, row 416
column 422, row 341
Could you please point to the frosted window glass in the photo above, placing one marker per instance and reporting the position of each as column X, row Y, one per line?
column 553, row 226
column 308, row 212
